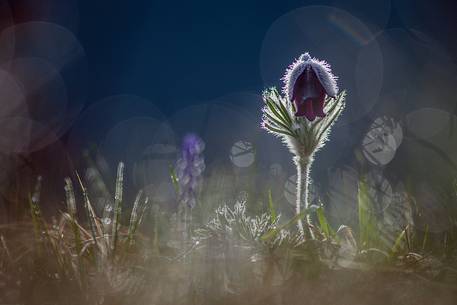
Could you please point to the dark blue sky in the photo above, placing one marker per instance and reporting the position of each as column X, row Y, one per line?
column 176, row 53
column 173, row 52
column 179, row 53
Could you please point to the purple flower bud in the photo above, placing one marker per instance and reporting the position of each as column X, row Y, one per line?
column 307, row 82
column 189, row 169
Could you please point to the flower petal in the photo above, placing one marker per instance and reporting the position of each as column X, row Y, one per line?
column 307, row 85
column 321, row 70
column 309, row 111
column 305, row 108
column 318, row 106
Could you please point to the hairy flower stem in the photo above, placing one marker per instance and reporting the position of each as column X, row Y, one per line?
column 303, row 164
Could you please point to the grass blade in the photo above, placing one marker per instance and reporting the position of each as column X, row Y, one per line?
column 275, row 231
column 91, row 218
column 174, row 179
column 368, row 232
column 71, row 207
column 398, row 240
column 424, row 241
column 134, row 217
column 117, row 206
column 323, row 223
column 271, row 207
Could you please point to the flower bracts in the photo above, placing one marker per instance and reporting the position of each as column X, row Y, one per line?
column 303, row 137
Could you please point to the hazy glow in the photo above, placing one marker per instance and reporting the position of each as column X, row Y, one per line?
column 335, row 35
column 342, row 195
column 436, row 120
column 50, row 68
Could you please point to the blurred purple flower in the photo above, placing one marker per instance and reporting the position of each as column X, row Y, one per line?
column 307, row 81
column 189, row 169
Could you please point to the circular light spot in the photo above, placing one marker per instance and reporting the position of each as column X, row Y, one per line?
column 390, row 126
column 379, row 146
column 417, row 72
column 107, row 221
column 45, row 98
column 127, row 140
column 96, row 122
column 218, row 124
column 342, row 196
column 152, row 171
column 13, row 96
column 375, row 12
column 65, row 13
column 57, row 46
column 45, row 40
column 428, row 122
column 23, row 135
column 242, row 154
column 6, row 21
column 161, row 193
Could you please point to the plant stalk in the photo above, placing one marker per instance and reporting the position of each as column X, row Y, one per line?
column 303, row 164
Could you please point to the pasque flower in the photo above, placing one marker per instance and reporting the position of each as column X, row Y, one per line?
column 303, row 117
column 189, row 169
column 307, row 82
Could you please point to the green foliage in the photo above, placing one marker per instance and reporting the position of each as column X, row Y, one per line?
column 274, row 232
column 136, row 216
column 72, row 217
column 368, row 230
column 324, row 225
column 236, row 251
column 425, row 239
column 73, row 253
column 271, row 206
column 398, row 242
column 174, row 178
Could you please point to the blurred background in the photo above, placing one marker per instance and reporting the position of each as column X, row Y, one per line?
column 87, row 84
